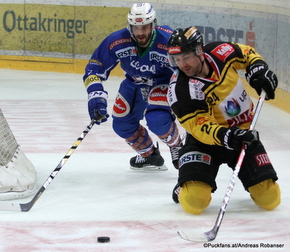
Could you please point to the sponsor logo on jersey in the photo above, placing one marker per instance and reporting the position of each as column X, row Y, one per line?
column 240, row 119
column 194, row 157
column 91, row 80
column 223, row 51
column 201, row 120
column 171, row 95
column 173, row 77
column 119, row 42
column 95, row 61
column 164, row 29
column 126, row 52
column 158, row 95
column 233, row 108
column 161, row 46
column 262, row 159
column 143, row 68
column 237, row 106
column 195, row 89
column 121, row 107
column 159, row 57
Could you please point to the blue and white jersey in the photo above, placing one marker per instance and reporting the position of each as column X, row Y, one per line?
column 147, row 67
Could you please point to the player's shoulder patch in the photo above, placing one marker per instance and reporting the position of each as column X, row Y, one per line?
column 117, row 38
column 223, row 51
column 119, row 42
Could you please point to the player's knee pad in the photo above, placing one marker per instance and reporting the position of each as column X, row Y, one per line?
column 266, row 194
column 195, row 196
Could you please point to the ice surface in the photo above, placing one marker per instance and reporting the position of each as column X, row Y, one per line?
column 96, row 194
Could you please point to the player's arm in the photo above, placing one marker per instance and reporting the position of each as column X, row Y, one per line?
column 97, row 96
column 206, row 130
column 258, row 74
column 202, row 126
column 195, row 116
column 97, row 71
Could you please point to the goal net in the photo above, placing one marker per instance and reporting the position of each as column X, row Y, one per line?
column 8, row 143
column 17, row 173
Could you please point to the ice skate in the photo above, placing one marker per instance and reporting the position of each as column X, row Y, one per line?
column 154, row 162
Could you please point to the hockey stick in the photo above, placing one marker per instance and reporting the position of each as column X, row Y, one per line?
column 211, row 235
column 25, row 207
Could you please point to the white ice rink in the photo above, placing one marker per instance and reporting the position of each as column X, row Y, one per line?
column 96, row 194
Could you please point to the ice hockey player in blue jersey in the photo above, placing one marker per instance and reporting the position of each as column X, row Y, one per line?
column 141, row 50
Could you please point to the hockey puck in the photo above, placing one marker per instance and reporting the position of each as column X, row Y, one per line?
column 103, row 239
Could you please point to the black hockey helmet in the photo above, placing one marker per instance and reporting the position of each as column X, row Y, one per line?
column 185, row 40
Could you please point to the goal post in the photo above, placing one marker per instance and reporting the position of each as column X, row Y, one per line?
column 17, row 173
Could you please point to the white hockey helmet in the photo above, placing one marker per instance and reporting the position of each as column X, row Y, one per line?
column 141, row 14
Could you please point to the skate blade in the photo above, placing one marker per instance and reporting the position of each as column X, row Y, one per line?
column 150, row 168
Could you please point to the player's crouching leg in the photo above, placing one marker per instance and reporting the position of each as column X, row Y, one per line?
column 17, row 178
column 195, row 196
column 266, row 194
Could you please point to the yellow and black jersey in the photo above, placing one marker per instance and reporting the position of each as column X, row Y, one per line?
column 204, row 105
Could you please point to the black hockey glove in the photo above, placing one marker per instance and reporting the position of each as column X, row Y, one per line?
column 260, row 77
column 233, row 138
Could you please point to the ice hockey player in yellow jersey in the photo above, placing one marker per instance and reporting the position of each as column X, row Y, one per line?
column 208, row 98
